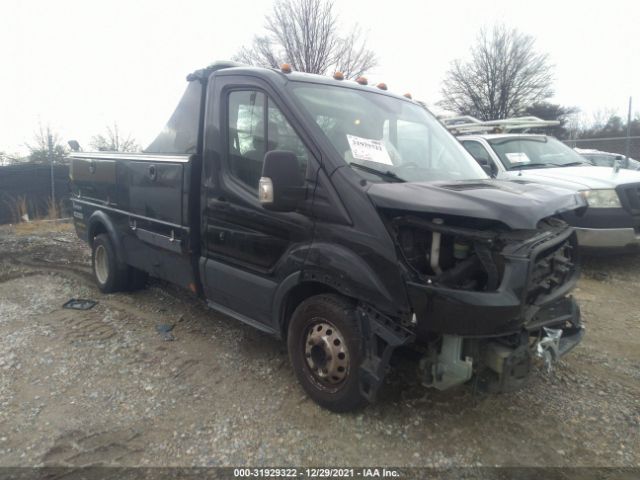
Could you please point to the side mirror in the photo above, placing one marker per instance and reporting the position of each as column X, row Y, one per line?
column 618, row 162
column 487, row 166
column 281, row 187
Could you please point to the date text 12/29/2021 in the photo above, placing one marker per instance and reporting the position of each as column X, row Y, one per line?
column 316, row 473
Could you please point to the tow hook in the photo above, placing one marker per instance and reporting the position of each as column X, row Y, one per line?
column 548, row 347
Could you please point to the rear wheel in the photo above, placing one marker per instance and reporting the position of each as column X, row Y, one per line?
column 324, row 345
column 109, row 276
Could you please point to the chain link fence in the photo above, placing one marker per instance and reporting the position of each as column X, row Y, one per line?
column 25, row 189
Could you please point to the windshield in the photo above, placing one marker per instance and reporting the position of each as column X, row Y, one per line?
column 534, row 152
column 385, row 138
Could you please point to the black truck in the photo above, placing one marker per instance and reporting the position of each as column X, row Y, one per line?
column 343, row 219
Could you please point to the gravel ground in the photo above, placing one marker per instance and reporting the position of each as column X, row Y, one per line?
column 104, row 387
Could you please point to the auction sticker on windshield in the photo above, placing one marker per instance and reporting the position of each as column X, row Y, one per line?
column 518, row 157
column 369, row 150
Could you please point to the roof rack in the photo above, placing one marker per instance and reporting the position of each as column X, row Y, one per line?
column 468, row 124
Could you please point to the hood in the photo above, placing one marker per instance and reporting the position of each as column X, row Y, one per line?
column 578, row 178
column 519, row 206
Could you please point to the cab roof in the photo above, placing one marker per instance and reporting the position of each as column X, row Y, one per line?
column 277, row 75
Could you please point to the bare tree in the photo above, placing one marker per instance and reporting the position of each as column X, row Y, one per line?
column 305, row 34
column 46, row 146
column 113, row 141
column 503, row 77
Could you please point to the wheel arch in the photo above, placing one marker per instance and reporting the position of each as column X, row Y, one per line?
column 101, row 223
column 291, row 293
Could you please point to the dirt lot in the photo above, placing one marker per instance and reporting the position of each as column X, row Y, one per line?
column 104, row 387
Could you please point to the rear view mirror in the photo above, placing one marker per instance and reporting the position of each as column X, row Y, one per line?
column 281, row 186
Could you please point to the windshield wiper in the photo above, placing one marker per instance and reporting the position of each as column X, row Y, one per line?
column 573, row 164
column 532, row 165
column 387, row 174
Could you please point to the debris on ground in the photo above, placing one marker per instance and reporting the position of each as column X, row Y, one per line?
column 79, row 304
column 164, row 329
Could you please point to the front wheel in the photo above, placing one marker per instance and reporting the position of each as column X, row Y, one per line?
column 324, row 345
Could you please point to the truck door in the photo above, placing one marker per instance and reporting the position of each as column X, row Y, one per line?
column 248, row 250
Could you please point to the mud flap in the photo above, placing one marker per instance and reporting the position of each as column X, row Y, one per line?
column 380, row 337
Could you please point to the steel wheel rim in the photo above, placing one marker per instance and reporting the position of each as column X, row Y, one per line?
column 101, row 265
column 326, row 354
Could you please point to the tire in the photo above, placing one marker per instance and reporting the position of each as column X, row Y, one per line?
column 109, row 276
column 325, row 348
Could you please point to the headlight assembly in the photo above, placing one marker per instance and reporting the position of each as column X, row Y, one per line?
column 602, row 198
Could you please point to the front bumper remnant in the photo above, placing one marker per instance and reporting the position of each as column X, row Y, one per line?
column 556, row 343
column 507, row 367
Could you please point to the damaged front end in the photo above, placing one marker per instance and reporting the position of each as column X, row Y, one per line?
column 488, row 299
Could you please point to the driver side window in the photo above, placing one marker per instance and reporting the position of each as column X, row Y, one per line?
column 479, row 153
column 257, row 126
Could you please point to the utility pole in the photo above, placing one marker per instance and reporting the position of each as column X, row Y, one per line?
column 50, row 154
column 628, row 142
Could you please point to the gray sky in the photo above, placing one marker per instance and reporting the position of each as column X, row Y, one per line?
column 80, row 65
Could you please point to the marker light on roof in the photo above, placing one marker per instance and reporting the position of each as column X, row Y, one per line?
column 285, row 68
column 408, row 95
column 338, row 76
column 362, row 80
column 382, row 86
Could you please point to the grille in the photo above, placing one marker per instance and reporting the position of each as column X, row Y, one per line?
column 630, row 198
column 552, row 269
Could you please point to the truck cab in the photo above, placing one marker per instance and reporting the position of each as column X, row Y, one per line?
column 343, row 219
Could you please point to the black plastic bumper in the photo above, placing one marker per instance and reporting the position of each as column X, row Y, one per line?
column 465, row 313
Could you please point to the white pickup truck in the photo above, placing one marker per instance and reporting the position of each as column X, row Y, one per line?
column 612, row 221
column 613, row 218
